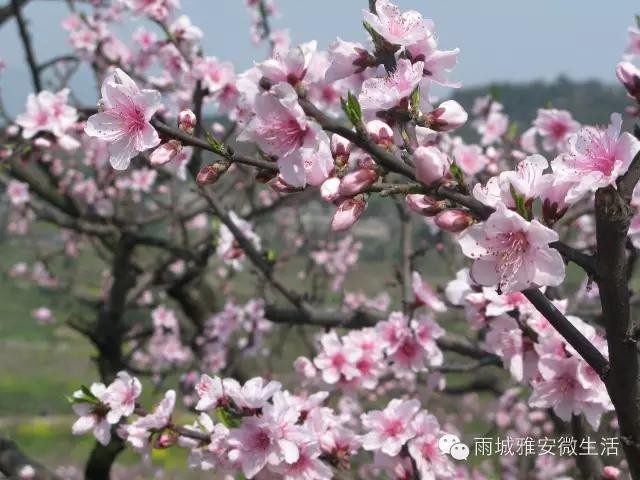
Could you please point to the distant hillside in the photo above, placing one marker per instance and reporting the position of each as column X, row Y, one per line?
column 590, row 102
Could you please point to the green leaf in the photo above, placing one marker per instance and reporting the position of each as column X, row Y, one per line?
column 217, row 146
column 638, row 20
column 352, row 109
column 227, row 418
column 87, row 392
column 272, row 256
column 520, row 204
column 457, row 173
column 375, row 36
column 415, row 100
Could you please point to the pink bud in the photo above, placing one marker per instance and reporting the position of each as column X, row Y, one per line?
column 340, row 145
column 347, row 213
column 355, row 182
column 448, row 116
column 207, row 175
column 431, row 164
column 280, row 186
column 165, row 440
column 187, row 121
column 380, row 132
column 610, row 473
column 42, row 143
column 12, row 130
column 629, row 76
column 424, row 204
column 165, row 152
column 453, row 220
column 330, row 189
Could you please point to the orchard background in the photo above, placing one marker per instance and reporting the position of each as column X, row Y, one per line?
column 342, row 228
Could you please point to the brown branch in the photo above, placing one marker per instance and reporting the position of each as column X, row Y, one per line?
column 13, row 461
column 613, row 216
column 193, row 141
column 27, row 45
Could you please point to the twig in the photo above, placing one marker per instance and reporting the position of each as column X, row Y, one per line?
column 28, row 47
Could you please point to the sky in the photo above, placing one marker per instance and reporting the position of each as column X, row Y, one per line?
column 499, row 40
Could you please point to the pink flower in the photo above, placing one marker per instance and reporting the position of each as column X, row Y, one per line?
column 252, row 445
column 629, row 76
column 525, row 180
column 391, row 428
column 555, row 126
column 290, row 67
column 309, row 466
column 124, row 123
column 431, row 164
column 493, row 127
column 505, row 338
column 633, row 42
column 183, row 30
column 512, row 253
column 396, row 27
column 336, row 361
column 18, row 192
column 138, row 433
column 228, row 248
column 596, row 157
column 121, row 396
column 254, row 394
column 215, row 75
column 437, row 63
column 344, row 58
column 49, row 112
column 425, row 295
column 211, row 392
column 387, row 92
column 43, row 315
column 424, row 450
column 92, row 414
column 560, row 388
column 470, row 158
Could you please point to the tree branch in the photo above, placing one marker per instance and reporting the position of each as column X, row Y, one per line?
column 613, row 217
column 28, row 47
column 13, row 463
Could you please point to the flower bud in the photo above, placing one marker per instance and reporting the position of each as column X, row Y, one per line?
column 165, row 152
column 453, row 220
column 165, row 440
column 280, row 186
column 187, row 121
column 610, row 473
column 211, row 173
column 431, row 164
column 380, row 132
column 448, row 116
column 355, row 182
column 424, row 204
column 330, row 189
column 42, row 143
column 347, row 214
column 629, row 76
column 340, row 149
